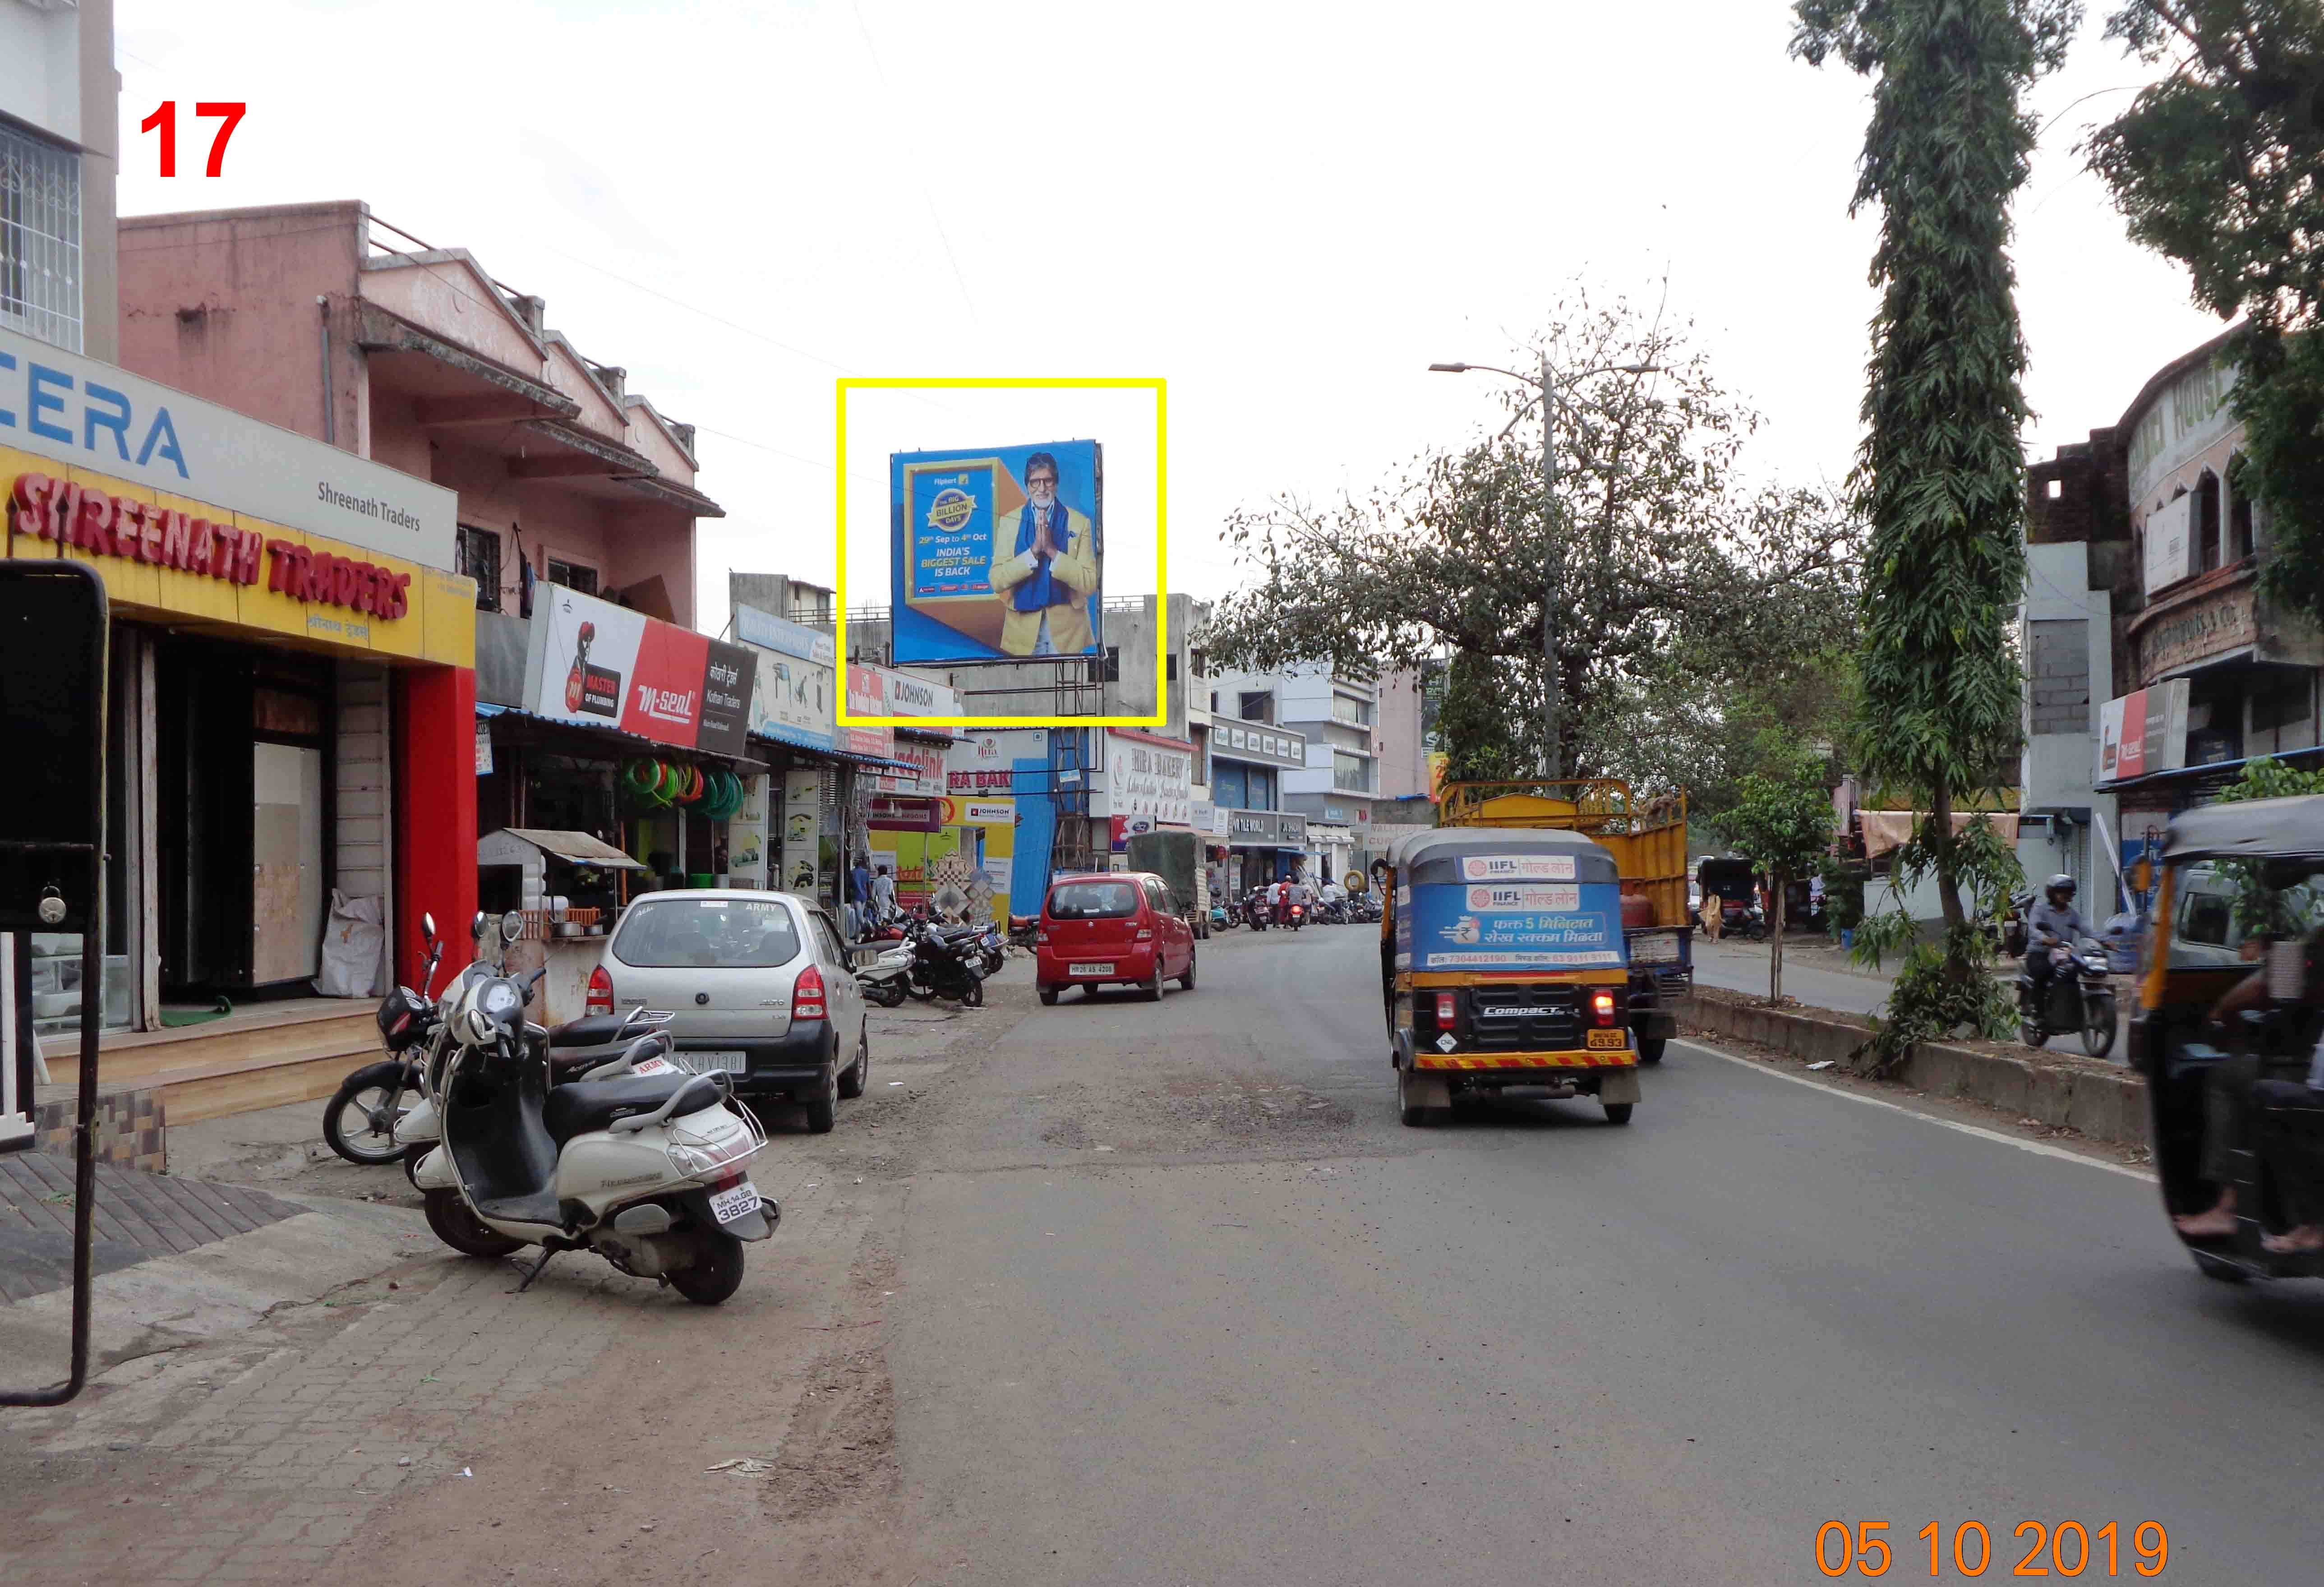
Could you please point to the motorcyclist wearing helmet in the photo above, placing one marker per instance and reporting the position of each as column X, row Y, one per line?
column 2052, row 922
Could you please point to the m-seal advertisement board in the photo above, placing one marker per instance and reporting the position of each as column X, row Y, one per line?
column 997, row 553
column 599, row 665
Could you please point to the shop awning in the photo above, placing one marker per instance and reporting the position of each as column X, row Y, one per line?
column 614, row 740
column 579, row 847
column 831, row 752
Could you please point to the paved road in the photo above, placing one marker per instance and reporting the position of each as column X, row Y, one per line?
column 1179, row 1302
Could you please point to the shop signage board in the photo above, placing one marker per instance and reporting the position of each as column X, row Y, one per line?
column 94, row 417
column 980, row 812
column 798, row 680
column 746, row 835
column 484, row 748
column 1266, row 828
column 991, row 545
column 600, row 665
column 802, row 830
column 987, row 763
column 2224, row 620
column 925, row 759
column 867, row 695
column 1209, row 820
column 207, row 567
column 1151, row 777
column 2170, row 543
column 2144, row 733
column 1257, row 741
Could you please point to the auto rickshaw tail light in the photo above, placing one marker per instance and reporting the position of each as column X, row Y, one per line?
column 1602, row 1009
column 1448, row 1010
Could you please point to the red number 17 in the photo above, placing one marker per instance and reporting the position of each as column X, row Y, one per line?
column 164, row 120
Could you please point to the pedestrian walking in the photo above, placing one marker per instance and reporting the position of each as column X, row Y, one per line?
column 884, row 896
column 1710, row 917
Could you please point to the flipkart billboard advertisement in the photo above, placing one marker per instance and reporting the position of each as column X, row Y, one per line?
column 998, row 553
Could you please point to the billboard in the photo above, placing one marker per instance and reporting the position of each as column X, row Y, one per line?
column 2142, row 732
column 599, row 665
column 997, row 553
column 797, row 681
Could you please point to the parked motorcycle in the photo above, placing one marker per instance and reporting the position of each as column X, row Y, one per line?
column 1259, row 909
column 1221, row 917
column 993, row 949
column 359, row 1121
column 1021, row 928
column 888, row 979
column 649, row 1172
column 947, row 964
column 2079, row 998
column 593, row 1047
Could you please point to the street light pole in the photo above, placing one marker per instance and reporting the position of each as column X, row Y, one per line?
column 1552, row 751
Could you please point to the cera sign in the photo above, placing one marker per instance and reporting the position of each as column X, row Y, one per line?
column 595, row 663
column 96, row 524
column 77, row 412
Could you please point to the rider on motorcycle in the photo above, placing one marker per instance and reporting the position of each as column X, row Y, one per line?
column 2054, row 922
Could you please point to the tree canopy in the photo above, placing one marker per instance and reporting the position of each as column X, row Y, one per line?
column 2220, row 166
column 1656, row 541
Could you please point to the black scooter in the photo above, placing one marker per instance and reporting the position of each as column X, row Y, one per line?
column 948, row 962
column 2079, row 998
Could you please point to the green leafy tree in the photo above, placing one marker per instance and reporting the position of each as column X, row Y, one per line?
column 1940, row 474
column 2216, row 165
column 1656, row 543
column 1481, row 726
column 2262, row 909
column 1782, row 822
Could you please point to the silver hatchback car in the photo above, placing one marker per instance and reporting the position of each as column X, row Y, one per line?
column 759, row 987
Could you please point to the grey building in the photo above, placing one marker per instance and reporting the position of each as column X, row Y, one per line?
column 59, row 158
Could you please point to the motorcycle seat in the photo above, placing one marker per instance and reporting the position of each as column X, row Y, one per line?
column 589, row 1031
column 577, row 1109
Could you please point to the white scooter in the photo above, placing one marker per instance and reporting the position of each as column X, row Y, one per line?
column 597, row 1047
column 648, row 1172
column 888, row 977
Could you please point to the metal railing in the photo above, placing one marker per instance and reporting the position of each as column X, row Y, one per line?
column 41, row 239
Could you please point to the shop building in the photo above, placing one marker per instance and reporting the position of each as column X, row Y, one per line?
column 574, row 507
column 291, row 684
column 2155, row 668
column 1335, row 711
column 820, row 777
column 59, row 145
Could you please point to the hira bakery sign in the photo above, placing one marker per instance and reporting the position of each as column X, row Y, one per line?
column 94, row 524
column 600, row 665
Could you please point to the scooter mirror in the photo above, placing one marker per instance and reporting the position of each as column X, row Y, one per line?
column 512, row 925
column 479, row 927
column 428, row 929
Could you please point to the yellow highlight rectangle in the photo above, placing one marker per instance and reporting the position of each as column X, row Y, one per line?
column 1161, row 714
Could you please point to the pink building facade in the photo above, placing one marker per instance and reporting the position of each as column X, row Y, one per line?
column 322, row 319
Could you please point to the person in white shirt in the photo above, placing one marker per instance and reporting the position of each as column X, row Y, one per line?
column 884, row 896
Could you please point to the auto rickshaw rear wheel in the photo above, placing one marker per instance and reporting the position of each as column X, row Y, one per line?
column 1650, row 1048
column 1619, row 1112
column 1411, row 1112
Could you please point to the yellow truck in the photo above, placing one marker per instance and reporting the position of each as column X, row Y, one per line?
column 1648, row 838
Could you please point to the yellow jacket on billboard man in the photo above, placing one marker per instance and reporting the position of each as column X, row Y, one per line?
column 1060, row 590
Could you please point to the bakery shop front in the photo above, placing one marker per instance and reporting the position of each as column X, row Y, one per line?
column 290, row 688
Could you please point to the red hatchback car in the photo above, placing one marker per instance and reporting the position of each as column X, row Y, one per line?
column 1111, row 926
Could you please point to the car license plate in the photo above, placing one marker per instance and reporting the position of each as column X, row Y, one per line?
column 726, row 1205
column 703, row 1063
column 1089, row 969
column 1602, row 1040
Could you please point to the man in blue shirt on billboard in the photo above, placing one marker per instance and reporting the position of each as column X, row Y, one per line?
column 1049, row 578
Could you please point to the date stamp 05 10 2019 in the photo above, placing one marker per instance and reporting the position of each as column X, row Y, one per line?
column 2069, row 1549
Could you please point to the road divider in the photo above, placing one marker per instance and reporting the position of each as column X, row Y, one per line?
column 2101, row 1100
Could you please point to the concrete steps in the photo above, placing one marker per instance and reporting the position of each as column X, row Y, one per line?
column 240, row 1064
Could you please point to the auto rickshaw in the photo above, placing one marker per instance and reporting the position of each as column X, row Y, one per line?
column 1503, row 963
column 2237, row 1093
